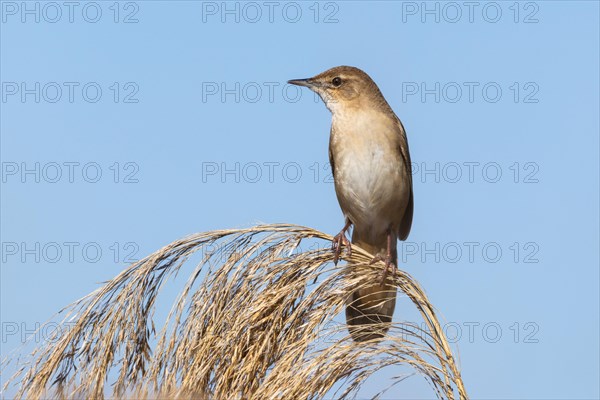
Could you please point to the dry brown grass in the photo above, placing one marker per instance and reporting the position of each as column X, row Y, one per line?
column 248, row 324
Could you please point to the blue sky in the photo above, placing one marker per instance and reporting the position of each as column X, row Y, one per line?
column 125, row 126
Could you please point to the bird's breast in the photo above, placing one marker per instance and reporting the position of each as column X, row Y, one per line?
column 371, row 180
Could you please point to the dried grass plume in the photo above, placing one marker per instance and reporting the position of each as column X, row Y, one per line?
column 258, row 318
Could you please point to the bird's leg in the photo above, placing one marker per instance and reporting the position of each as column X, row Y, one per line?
column 340, row 239
column 389, row 262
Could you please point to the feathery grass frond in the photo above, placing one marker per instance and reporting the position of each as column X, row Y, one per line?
column 250, row 323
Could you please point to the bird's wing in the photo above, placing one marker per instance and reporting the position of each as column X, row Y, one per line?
column 331, row 155
column 406, row 222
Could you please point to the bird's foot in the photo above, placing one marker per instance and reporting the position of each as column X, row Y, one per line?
column 336, row 244
column 389, row 265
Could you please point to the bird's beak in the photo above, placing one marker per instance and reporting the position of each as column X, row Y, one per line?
column 309, row 83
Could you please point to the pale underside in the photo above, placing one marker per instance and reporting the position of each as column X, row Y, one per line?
column 372, row 182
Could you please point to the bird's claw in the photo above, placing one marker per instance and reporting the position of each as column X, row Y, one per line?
column 389, row 264
column 336, row 246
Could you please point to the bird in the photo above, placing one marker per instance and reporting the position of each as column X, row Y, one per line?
column 370, row 161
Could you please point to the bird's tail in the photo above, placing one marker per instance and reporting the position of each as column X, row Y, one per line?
column 373, row 304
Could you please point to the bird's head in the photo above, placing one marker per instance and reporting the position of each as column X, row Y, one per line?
column 344, row 88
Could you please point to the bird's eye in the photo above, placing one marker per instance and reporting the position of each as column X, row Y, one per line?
column 337, row 81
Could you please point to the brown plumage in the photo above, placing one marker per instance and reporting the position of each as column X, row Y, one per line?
column 369, row 156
